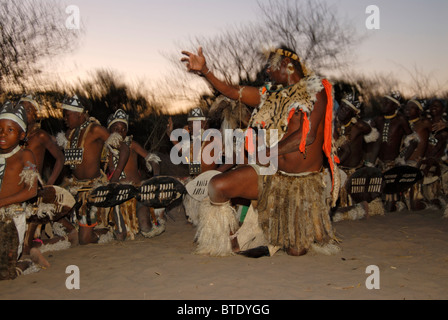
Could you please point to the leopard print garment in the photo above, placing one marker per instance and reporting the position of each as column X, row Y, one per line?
column 276, row 105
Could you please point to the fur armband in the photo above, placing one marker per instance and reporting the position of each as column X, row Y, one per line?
column 30, row 174
column 151, row 157
column 61, row 140
column 16, row 210
column 45, row 210
column 113, row 142
column 372, row 136
column 413, row 137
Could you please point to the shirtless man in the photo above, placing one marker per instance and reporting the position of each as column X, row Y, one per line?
column 439, row 131
column 148, row 224
column 351, row 136
column 422, row 127
column 195, row 117
column 18, row 184
column 393, row 128
column 83, row 145
column 304, row 140
column 436, row 153
column 396, row 143
column 207, row 162
column 39, row 141
column 350, row 132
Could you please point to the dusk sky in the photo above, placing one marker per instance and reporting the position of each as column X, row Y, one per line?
column 130, row 36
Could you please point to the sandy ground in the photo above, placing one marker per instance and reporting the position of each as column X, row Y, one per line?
column 410, row 250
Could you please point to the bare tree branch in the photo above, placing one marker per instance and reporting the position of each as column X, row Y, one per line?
column 311, row 28
column 31, row 31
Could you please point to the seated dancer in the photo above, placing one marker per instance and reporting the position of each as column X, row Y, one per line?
column 434, row 167
column 39, row 142
column 18, row 184
column 422, row 127
column 131, row 211
column 293, row 207
column 83, row 144
column 351, row 132
column 196, row 117
column 234, row 118
column 351, row 135
column 396, row 143
column 394, row 131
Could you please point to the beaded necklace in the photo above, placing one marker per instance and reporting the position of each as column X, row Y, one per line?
column 73, row 153
column 386, row 128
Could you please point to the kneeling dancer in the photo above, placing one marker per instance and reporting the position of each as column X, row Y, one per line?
column 295, row 110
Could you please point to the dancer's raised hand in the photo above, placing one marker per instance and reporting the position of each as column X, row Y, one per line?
column 195, row 62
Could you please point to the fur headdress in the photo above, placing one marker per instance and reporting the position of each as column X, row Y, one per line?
column 275, row 56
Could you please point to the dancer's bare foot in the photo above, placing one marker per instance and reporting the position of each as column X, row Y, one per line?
column 294, row 252
column 73, row 237
column 234, row 243
column 365, row 206
column 88, row 235
column 38, row 258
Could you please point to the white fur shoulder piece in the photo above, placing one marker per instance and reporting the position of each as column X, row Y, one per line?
column 61, row 140
column 151, row 157
column 372, row 136
column 114, row 140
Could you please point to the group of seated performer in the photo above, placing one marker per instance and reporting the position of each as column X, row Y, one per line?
column 28, row 203
column 410, row 133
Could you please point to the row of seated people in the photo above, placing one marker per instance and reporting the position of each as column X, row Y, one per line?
column 95, row 156
column 409, row 133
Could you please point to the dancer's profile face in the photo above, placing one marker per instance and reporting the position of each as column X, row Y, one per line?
column 31, row 112
column 276, row 70
column 411, row 110
column 120, row 128
column 72, row 119
column 344, row 113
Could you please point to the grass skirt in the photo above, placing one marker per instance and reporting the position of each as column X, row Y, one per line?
column 294, row 212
